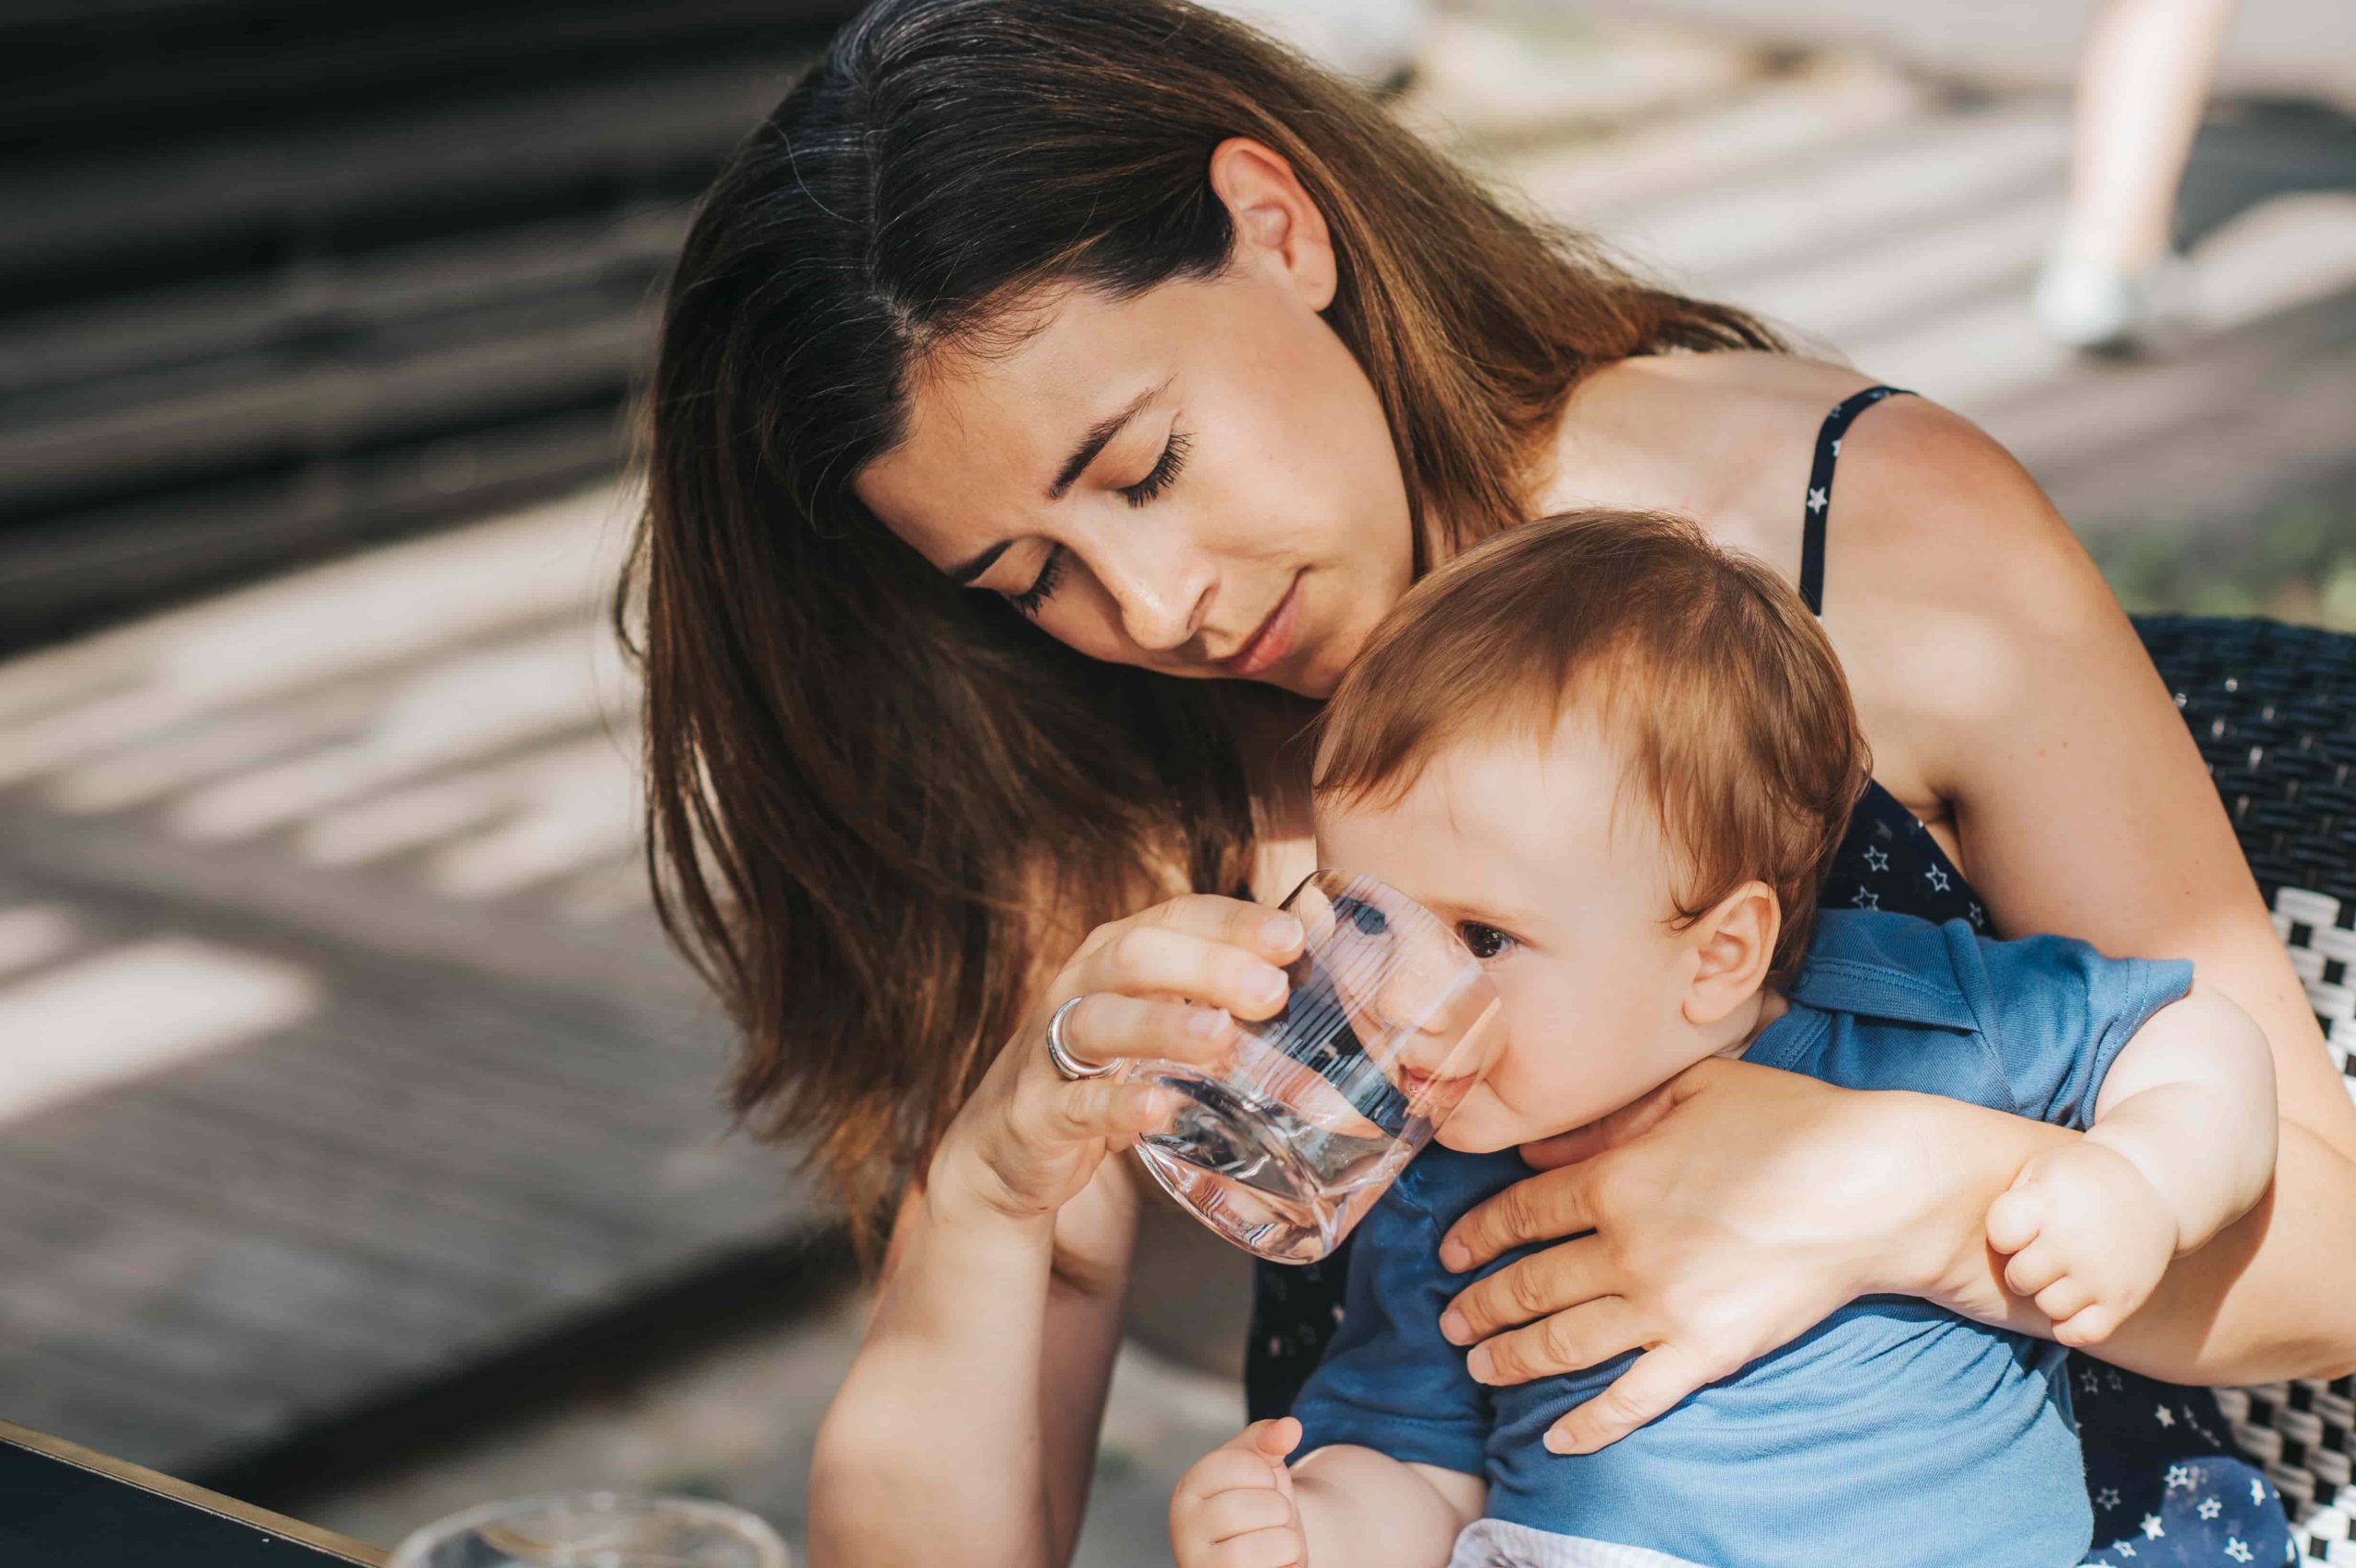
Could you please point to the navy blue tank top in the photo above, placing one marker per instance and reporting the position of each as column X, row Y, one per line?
column 2161, row 1468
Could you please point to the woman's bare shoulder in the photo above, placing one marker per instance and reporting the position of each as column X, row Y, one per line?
column 1945, row 561
column 1740, row 429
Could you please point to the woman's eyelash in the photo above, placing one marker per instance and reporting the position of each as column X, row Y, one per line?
column 1174, row 458
column 1050, row 574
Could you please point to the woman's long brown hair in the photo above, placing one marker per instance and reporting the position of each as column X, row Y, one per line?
column 879, row 806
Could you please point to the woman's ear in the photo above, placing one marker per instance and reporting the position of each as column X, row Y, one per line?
column 1734, row 946
column 1276, row 225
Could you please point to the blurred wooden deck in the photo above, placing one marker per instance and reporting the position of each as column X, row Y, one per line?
column 340, row 1055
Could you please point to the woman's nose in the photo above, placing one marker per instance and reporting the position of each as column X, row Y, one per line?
column 1161, row 595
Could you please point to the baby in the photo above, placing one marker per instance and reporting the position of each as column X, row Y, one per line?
column 1616, row 759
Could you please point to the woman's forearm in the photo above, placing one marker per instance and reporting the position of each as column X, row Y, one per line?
column 959, row 1420
column 2269, row 1297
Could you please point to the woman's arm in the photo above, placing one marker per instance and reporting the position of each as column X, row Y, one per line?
column 1012, row 1327
column 1981, row 636
column 969, row 1414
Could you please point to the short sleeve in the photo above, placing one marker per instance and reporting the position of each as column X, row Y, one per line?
column 1389, row 1380
column 2056, row 1013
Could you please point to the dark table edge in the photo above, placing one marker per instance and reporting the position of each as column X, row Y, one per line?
column 193, row 1496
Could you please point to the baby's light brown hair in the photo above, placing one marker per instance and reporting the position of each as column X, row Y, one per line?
column 1698, row 660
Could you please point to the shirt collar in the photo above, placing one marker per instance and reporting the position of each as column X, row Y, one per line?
column 1885, row 967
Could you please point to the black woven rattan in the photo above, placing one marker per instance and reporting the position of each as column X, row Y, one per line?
column 2274, row 710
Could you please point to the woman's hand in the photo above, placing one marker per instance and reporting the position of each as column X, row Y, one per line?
column 1167, row 983
column 1731, row 1210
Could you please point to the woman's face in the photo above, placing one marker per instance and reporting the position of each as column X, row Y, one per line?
column 1197, row 480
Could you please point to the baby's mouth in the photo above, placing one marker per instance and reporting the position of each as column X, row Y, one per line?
column 1423, row 1088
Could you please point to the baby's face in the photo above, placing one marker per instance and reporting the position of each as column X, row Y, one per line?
column 1567, row 903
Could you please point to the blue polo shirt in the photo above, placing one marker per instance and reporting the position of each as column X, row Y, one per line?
column 1894, row 1431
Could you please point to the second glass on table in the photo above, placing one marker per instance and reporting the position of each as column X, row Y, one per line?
column 596, row 1529
column 1388, row 1023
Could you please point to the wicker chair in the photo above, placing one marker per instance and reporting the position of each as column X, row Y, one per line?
column 2274, row 710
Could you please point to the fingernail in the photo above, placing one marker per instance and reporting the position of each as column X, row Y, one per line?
column 1268, row 985
column 1558, row 1443
column 1280, row 930
column 1478, row 1364
column 1206, row 1022
column 1453, row 1328
column 1455, row 1254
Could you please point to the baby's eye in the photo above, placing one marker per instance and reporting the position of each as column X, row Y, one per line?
column 1487, row 942
column 1364, row 915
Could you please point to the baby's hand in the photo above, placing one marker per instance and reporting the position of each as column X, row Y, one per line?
column 2089, row 1237
column 1234, row 1508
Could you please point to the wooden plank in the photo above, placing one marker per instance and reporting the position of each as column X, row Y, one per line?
column 441, row 1163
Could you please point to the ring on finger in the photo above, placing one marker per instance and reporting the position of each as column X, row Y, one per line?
column 1068, row 1065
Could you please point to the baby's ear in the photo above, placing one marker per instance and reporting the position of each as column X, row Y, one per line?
column 1734, row 946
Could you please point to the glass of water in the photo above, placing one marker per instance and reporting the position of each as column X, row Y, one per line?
column 596, row 1529
column 1388, row 1023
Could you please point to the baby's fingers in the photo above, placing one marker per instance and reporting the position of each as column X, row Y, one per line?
column 2088, row 1325
column 1225, row 1469
column 1254, row 1459
column 1232, row 1513
column 1273, row 1439
column 2034, row 1267
column 2064, row 1298
column 1260, row 1548
column 2014, row 1220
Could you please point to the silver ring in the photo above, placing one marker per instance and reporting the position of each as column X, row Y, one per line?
column 1065, row 1062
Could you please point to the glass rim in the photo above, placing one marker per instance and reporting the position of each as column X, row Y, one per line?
column 1448, row 932
column 758, row 1532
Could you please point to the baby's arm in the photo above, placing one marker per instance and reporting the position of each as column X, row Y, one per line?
column 1240, row 1508
column 1358, row 1506
column 2182, row 1145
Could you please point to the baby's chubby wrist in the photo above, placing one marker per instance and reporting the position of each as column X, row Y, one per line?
column 2135, row 1145
column 1954, row 1159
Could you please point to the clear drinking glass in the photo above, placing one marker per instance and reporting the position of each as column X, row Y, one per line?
column 1389, row 1022
column 596, row 1529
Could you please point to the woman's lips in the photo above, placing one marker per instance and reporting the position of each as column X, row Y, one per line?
column 1272, row 640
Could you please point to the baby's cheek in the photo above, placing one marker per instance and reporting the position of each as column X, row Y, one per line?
column 1484, row 1122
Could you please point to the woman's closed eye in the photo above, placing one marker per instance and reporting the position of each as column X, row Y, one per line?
column 1051, row 571
column 1166, row 469
column 1487, row 942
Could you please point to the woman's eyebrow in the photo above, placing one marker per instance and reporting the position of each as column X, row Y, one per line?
column 1099, row 433
column 964, row 574
column 1094, row 441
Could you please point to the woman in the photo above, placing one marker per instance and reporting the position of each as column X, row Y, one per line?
column 1050, row 396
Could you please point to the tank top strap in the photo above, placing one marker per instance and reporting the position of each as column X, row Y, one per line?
column 1819, row 489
